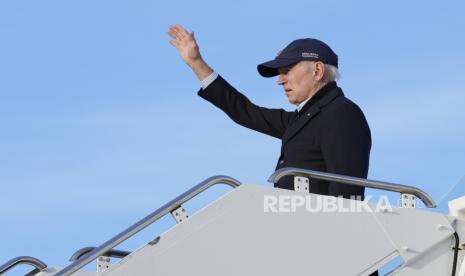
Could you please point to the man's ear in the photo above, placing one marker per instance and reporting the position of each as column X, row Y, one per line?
column 319, row 70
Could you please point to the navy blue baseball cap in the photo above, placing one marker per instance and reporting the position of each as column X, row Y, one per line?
column 301, row 49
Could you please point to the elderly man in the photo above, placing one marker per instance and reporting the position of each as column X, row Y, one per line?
column 327, row 132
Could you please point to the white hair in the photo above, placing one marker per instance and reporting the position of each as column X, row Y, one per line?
column 331, row 73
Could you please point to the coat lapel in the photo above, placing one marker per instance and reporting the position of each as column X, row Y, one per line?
column 300, row 123
column 310, row 110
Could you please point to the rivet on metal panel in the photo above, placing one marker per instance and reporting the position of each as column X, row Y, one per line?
column 179, row 214
column 408, row 200
column 301, row 184
column 103, row 263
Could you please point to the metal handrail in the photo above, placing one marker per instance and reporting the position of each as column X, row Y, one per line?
column 427, row 200
column 38, row 264
column 113, row 253
column 148, row 220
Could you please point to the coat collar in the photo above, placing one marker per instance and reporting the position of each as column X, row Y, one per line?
column 323, row 97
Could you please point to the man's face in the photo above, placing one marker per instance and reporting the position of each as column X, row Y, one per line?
column 298, row 81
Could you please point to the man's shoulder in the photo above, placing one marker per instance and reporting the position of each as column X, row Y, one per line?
column 342, row 108
column 342, row 103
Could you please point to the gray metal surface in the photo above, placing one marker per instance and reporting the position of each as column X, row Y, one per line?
column 234, row 236
column 148, row 220
column 380, row 185
column 420, row 237
column 36, row 263
column 434, row 262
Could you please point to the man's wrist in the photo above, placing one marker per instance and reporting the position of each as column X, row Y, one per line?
column 194, row 62
column 208, row 80
column 200, row 68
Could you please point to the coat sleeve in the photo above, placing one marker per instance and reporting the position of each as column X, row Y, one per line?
column 346, row 144
column 242, row 111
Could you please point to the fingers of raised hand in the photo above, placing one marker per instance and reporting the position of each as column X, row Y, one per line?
column 174, row 43
column 180, row 30
column 177, row 32
column 173, row 33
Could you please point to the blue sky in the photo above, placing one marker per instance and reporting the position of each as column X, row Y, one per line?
column 101, row 123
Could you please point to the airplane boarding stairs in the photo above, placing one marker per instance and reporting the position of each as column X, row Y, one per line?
column 244, row 233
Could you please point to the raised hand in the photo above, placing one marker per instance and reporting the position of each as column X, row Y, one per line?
column 185, row 43
column 188, row 48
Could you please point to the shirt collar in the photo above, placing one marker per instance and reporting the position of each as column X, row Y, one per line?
column 301, row 105
column 320, row 93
